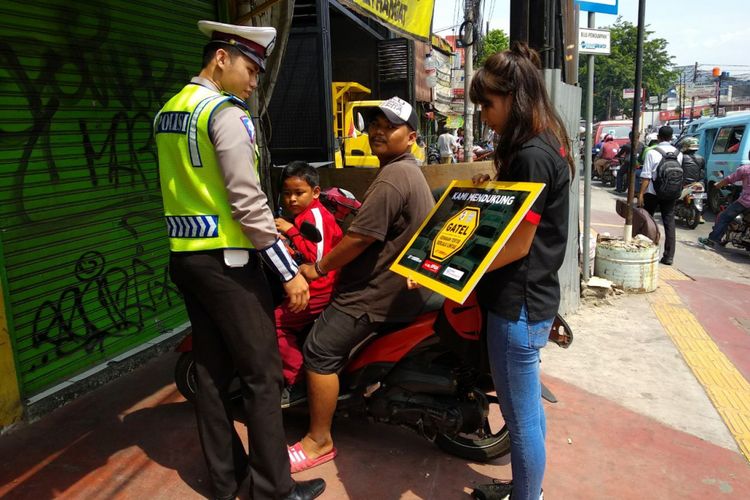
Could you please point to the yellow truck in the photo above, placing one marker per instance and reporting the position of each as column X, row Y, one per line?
column 354, row 147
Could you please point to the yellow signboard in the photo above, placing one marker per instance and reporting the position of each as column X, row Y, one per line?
column 411, row 18
column 454, row 234
column 463, row 234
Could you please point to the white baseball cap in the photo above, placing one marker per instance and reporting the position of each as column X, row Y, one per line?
column 399, row 111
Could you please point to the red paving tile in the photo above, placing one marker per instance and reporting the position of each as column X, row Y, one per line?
column 718, row 305
column 135, row 438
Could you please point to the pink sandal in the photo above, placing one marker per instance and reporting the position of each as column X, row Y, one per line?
column 299, row 460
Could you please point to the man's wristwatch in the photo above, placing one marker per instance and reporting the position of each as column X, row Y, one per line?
column 318, row 269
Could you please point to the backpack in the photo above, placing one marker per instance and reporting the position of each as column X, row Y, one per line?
column 691, row 172
column 668, row 176
column 339, row 202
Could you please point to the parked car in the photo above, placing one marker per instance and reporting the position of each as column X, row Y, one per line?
column 618, row 129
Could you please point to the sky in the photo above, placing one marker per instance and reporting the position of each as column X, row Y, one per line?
column 715, row 36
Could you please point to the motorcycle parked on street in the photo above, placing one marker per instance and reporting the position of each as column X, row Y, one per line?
column 689, row 207
column 428, row 376
column 433, row 154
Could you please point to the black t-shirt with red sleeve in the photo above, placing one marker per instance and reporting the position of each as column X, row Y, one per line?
column 533, row 279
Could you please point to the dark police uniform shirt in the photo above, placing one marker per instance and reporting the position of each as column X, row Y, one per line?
column 533, row 279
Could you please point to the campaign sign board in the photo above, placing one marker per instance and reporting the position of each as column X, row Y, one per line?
column 601, row 6
column 591, row 41
column 463, row 234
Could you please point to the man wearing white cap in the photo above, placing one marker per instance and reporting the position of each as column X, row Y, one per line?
column 220, row 229
column 366, row 294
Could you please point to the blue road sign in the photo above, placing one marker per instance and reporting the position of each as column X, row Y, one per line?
column 601, row 6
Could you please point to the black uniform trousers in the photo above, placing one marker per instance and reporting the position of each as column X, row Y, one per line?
column 651, row 202
column 231, row 313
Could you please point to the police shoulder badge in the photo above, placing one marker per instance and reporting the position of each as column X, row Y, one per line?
column 248, row 123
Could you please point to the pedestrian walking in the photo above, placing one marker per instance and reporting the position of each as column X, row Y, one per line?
column 220, row 228
column 648, row 197
column 520, row 289
column 447, row 146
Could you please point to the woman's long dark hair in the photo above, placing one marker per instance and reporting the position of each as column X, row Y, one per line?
column 516, row 71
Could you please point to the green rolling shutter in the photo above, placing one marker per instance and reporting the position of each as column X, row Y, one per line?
column 84, row 248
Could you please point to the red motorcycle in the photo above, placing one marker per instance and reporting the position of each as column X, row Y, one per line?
column 431, row 376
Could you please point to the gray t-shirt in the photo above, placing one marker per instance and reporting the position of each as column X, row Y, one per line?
column 393, row 208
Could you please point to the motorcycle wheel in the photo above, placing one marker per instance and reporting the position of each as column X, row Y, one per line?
column 478, row 447
column 184, row 376
column 693, row 217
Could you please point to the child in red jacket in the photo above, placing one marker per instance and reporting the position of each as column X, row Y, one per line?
column 300, row 196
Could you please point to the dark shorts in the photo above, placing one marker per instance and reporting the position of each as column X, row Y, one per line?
column 334, row 335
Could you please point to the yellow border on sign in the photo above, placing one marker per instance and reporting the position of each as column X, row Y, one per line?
column 460, row 295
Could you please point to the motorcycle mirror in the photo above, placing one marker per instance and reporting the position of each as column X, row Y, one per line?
column 310, row 232
column 360, row 122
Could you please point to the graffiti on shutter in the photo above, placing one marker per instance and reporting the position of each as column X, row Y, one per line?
column 83, row 238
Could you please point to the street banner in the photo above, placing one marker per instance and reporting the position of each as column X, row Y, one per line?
column 410, row 18
column 463, row 234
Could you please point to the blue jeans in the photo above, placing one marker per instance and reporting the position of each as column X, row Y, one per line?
column 513, row 348
column 725, row 217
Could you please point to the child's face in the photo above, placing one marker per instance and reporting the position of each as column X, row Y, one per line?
column 297, row 194
column 387, row 141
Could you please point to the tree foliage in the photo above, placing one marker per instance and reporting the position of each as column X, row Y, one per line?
column 616, row 72
column 495, row 41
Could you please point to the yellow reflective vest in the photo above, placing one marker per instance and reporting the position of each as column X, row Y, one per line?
column 196, row 208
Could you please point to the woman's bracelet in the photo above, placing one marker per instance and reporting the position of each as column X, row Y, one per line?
column 318, row 269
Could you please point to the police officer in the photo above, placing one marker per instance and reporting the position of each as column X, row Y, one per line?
column 220, row 228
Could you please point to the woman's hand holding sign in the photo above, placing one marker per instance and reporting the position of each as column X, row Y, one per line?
column 480, row 179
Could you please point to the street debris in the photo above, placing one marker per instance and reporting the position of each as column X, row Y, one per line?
column 598, row 291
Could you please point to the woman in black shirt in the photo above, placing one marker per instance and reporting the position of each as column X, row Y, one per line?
column 520, row 289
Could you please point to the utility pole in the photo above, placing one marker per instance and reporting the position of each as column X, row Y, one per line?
column 468, row 70
column 692, row 107
column 717, row 73
column 587, row 162
column 628, row 230
column 692, row 101
column 683, row 79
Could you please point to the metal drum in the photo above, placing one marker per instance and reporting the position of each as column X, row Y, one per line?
column 632, row 267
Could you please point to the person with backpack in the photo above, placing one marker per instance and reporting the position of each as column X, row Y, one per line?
column 661, row 186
